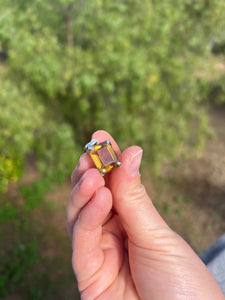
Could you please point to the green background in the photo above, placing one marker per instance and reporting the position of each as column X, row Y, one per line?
column 144, row 71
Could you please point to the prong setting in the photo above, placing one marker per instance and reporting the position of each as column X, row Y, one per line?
column 103, row 155
column 89, row 146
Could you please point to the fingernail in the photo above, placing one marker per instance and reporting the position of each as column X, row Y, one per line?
column 135, row 163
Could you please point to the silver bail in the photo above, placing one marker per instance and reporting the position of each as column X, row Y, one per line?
column 89, row 146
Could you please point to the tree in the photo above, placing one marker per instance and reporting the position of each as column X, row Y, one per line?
column 124, row 67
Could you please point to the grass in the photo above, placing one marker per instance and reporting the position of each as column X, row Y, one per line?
column 14, row 266
column 180, row 212
column 183, row 199
column 7, row 212
column 34, row 193
column 167, row 208
column 35, row 262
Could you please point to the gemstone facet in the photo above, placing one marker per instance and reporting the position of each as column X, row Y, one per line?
column 103, row 155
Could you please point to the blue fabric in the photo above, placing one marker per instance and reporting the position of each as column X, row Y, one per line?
column 214, row 258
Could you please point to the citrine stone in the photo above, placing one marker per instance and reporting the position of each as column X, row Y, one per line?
column 103, row 155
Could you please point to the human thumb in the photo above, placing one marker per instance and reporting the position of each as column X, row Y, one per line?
column 131, row 201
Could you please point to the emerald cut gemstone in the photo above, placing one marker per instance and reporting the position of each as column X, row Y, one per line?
column 103, row 155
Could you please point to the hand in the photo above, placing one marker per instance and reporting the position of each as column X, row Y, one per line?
column 122, row 248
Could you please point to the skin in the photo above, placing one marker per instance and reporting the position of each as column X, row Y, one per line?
column 122, row 248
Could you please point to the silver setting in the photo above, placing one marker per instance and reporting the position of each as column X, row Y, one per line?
column 89, row 146
column 113, row 161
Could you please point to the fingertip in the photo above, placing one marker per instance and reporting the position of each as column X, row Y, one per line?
column 83, row 165
column 95, row 212
column 104, row 197
column 90, row 181
column 100, row 133
column 129, row 154
column 85, row 161
column 130, row 164
column 81, row 193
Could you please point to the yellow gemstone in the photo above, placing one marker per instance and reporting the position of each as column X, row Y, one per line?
column 103, row 155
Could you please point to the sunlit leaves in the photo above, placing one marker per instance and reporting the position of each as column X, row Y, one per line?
column 126, row 67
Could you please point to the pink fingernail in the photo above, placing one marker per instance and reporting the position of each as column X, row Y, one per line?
column 135, row 163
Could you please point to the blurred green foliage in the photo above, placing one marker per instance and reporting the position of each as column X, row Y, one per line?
column 13, row 267
column 34, row 194
column 27, row 128
column 19, row 116
column 26, row 268
column 7, row 212
column 126, row 67
column 137, row 69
